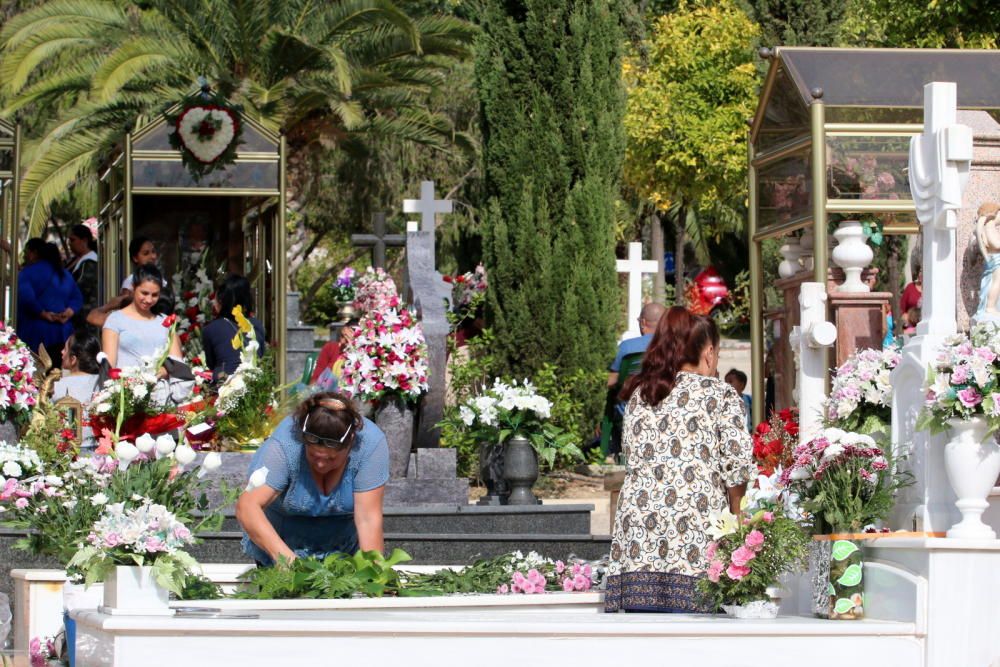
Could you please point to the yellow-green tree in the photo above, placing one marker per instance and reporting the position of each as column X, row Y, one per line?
column 688, row 103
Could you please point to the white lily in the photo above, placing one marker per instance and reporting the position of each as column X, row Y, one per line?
column 721, row 524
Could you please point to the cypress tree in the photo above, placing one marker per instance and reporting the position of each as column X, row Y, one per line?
column 552, row 104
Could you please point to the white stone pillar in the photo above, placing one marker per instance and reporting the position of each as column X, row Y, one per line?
column 812, row 338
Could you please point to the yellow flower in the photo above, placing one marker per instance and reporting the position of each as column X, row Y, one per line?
column 242, row 322
column 238, row 341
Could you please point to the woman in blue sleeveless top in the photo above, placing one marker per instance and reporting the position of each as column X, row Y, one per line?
column 316, row 484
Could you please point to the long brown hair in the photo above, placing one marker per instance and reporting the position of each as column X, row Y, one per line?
column 680, row 338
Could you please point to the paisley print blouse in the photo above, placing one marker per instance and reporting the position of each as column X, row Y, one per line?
column 680, row 457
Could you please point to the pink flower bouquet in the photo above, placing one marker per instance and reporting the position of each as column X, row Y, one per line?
column 18, row 393
column 748, row 555
column 965, row 381
column 388, row 355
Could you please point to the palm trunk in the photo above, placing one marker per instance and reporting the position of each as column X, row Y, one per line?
column 656, row 248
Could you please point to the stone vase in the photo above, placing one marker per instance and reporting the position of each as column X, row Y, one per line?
column 847, row 589
column 395, row 417
column 131, row 590
column 520, row 470
column 972, row 461
column 9, row 432
column 790, row 253
column 852, row 254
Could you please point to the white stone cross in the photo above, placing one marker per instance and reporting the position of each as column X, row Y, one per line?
column 939, row 170
column 635, row 266
column 809, row 340
column 427, row 206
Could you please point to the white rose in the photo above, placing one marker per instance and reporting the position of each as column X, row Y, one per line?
column 126, row 451
column 164, row 445
column 12, row 469
column 184, row 455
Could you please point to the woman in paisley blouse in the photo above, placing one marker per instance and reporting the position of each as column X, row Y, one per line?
column 687, row 455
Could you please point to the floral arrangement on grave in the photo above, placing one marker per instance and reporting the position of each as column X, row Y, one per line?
column 18, row 392
column 749, row 552
column 18, row 462
column 861, row 396
column 774, row 440
column 343, row 289
column 193, row 310
column 60, row 502
column 387, row 356
column 468, row 292
column 129, row 404
column 506, row 410
column 206, row 130
column 844, row 481
column 136, row 533
column 43, row 651
column 963, row 382
column 246, row 400
column 375, row 291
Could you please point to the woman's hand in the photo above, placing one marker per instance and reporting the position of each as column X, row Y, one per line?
column 250, row 514
column 368, row 519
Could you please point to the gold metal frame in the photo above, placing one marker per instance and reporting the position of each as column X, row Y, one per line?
column 10, row 209
column 116, row 211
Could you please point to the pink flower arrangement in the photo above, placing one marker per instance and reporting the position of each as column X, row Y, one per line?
column 374, row 291
column 468, row 289
column 533, row 575
column 861, row 395
column 964, row 381
column 18, row 393
column 388, row 355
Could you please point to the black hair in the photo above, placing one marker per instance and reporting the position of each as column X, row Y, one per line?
column 135, row 245
column 83, row 232
column 234, row 291
column 147, row 273
column 36, row 244
column 47, row 252
column 738, row 374
column 85, row 346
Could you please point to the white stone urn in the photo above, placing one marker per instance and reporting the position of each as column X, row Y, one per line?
column 789, row 266
column 972, row 461
column 852, row 254
column 132, row 591
column 806, row 244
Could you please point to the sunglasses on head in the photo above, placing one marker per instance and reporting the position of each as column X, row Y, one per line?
column 313, row 439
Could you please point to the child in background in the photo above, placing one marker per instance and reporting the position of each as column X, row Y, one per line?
column 737, row 379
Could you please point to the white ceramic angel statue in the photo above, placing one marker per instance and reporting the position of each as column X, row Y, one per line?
column 988, row 236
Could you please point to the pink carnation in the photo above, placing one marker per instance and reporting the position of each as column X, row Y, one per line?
column 711, row 549
column 737, row 572
column 754, row 540
column 768, row 517
column 567, row 584
column 742, row 556
column 715, row 571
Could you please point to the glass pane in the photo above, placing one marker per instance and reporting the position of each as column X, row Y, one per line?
column 173, row 174
column 896, row 77
column 784, row 190
column 251, row 141
column 868, row 167
column 6, row 160
column 785, row 116
column 874, row 115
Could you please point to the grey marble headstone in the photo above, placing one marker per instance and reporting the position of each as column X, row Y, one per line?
column 432, row 300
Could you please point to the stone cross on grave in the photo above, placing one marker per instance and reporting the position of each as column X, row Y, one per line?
column 939, row 168
column 378, row 241
column 432, row 300
column 635, row 266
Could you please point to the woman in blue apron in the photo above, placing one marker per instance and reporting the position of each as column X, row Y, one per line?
column 316, row 484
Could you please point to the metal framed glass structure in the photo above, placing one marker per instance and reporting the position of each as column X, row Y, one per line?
column 831, row 135
column 10, row 181
column 239, row 211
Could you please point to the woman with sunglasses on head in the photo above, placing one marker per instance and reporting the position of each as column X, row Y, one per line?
column 316, row 484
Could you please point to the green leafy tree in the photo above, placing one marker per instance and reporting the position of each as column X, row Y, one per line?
column 798, row 22
column 549, row 80
column 688, row 103
column 922, row 23
column 324, row 72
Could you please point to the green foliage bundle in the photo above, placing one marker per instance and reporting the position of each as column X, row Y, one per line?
column 552, row 100
column 199, row 587
column 246, row 420
column 335, row 576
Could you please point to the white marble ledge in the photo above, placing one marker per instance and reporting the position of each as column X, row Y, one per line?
column 584, row 600
column 932, row 544
column 483, row 622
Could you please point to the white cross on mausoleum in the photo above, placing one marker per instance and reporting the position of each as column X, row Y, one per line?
column 427, row 206
column 635, row 266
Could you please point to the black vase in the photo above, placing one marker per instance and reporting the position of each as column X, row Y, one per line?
column 520, row 469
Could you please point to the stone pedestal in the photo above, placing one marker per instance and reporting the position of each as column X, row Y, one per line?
column 431, row 480
column 983, row 186
column 859, row 319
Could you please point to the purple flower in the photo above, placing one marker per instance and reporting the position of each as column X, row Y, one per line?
column 969, row 397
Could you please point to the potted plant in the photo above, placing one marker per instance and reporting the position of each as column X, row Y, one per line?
column 385, row 364
column 963, row 399
column 748, row 555
column 845, row 484
column 136, row 549
column 344, row 293
column 861, row 395
column 513, row 419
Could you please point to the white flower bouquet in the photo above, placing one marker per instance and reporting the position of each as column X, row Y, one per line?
column 17, row 462
column 861, row 395
column 147, row 534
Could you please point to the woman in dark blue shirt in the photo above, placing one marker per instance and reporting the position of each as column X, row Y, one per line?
column 47, row 299
column 217, row 336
